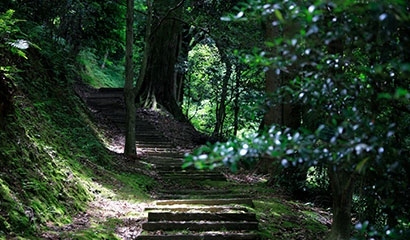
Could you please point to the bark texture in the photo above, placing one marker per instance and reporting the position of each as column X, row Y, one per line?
column 129, row 94
column 221, row 105
column 158, row 87
column 342, row 184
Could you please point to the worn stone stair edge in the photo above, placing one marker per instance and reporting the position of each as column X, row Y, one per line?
column 197, row 208
column 165, row 196
column 201, row 216
column 199, row 226
column 195, row 191
column 210, row 236
column 240, row 201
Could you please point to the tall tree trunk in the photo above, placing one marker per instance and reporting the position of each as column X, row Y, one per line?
column 342, row 183
column 181, row 70
column 236, row 100
column 283, row 113
column 221, row 109
column 129, row 94
column 274, row 114
column 131, row 89
column 159, row 82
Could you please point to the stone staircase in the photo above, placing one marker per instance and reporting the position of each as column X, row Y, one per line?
column 185, row 207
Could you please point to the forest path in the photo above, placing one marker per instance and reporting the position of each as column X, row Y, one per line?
column 190, row 204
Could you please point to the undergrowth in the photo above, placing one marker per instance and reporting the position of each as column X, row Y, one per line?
column 99, row 73
column 46, row 139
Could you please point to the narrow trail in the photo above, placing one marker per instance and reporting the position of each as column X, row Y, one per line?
column 189, row 204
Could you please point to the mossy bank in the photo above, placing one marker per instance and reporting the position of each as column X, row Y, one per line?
column 50, row 149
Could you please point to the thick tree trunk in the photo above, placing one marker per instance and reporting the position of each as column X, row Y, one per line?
column 342, row 184
column 129, row 94
column 274, row 114
column 181, row 70
column 282, row 113
column 160, row 79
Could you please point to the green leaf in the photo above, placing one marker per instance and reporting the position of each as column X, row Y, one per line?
column 384, row 96
column 401, row 93
column 279, row 15
column 361, row 164
column 186, row 164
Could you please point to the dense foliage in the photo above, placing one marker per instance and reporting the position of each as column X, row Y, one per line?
column 350, row 75
column 48, row 142
column 344, row 65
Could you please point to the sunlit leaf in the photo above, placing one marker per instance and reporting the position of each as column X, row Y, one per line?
column 361, row 164
column 279, row 15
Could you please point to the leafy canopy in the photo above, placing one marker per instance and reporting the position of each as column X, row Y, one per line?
column 351, row 68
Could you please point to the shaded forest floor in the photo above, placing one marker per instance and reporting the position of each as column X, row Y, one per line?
column 116, row 213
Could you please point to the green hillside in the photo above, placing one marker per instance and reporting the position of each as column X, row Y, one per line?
column 52, row 156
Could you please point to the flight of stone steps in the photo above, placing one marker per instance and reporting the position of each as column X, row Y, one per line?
column 189, row 204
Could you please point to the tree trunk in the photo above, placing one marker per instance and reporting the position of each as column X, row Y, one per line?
column 284, row 114
column 184, row 40
column 160, row 79
column 342, row 184
column 221, row 110
column 236, row 100
column 129, row 94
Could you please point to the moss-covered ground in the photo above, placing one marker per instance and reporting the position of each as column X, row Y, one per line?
column 55, row 169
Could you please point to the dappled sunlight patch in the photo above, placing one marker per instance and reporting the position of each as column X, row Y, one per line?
column 106, row 215
column 291, row 220
column 246, row 177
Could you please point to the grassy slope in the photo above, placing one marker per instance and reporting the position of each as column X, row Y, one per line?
column 50, row 155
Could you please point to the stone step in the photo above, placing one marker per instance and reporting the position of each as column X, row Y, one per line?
column 171, row 153
column 150, row 135
column 221, row 201
column 200, row 226
column 92, row 98
column 178, row 216
column 194, row 191
column 193, row 176
column 107, row 94
column 144, row 136
column 155, row 146
column 204, row 196
column 192, row 179
column 197, row 208
column 109, row 111
column 166, row 162
column 203, row 236
column 105, row 106
column 186, row 174
column 110, row 90
column 172, row 156
column 154, row 140
column 153, row 153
